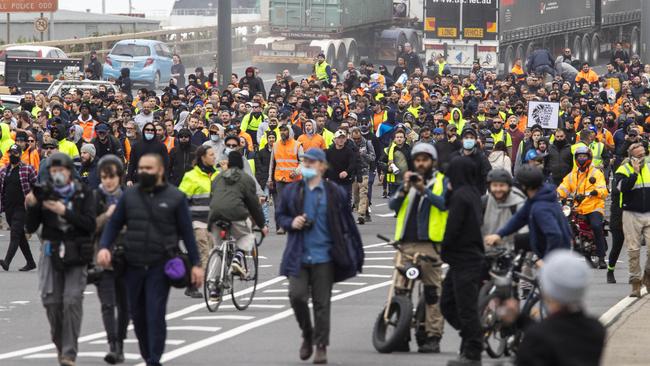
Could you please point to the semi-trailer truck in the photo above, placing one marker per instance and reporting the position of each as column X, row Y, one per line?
column 343, row 30
column 496, row 32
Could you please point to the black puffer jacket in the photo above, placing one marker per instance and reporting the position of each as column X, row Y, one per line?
column 142, row 148
column 180, row 161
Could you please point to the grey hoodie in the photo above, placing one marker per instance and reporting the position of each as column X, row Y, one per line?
column 497, row 214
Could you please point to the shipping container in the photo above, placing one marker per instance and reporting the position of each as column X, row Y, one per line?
column 318, row 19
column 443, row 19
column 525, row 19
column 620, row 11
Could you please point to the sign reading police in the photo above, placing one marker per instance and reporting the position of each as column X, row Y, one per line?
column 545, row 114
column 28, row 6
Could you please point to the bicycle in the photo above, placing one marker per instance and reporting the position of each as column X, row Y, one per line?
column 391, row 331
column 503, row 338
column 220, row 279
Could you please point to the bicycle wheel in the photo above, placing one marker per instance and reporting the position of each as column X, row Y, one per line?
column 488, row 305
column 243, row 287
column 213, row 280
column 388, row 336
column 535, row 311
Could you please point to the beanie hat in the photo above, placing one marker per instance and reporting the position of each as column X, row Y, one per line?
column 90, row 149
column 564, row 277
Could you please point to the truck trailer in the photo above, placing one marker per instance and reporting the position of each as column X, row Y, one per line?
column 496, row 32
column 343, row 30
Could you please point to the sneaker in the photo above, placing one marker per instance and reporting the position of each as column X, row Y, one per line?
column 193, row 293
column 361, row 220
column 236, row 266
column 384, row 194
column 214, row 294
column 602, row 264
column 610, row 276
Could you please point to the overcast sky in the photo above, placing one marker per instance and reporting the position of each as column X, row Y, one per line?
column 117, row 6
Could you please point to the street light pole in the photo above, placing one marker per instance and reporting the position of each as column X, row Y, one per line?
column 224, row 43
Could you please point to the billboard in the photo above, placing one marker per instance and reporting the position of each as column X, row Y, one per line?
column 443, row 17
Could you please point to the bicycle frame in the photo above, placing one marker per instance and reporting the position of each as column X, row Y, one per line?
column 409, row 283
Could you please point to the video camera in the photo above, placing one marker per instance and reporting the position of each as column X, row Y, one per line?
column 44, row 192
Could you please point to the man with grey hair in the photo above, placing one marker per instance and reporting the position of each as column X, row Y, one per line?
column 567, row 336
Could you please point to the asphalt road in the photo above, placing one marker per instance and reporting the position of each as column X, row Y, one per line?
column 266, row 333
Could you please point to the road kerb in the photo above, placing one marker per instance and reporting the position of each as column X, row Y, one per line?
column 611, row 315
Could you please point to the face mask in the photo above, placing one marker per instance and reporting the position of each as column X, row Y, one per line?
column 273, row 127
column 308, row 173
column 468, row 144
column 227, row 151
column 583, row 162
column 214, row 138
column 149, row 136
column 513, row 126
column 14, row 159
column 284, row 137
column 58, row 179
column 147, row 181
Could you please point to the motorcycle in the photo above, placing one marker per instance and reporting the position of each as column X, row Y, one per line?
column 392, row 329
column 583, row 236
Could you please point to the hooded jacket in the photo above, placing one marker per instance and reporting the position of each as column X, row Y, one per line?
column 460, row 122
column 496, row 214
column 463, row 242
column 143, row 147
column 5, row 138
column 180, row 160
column 254, row 83
column 549, row 228
column 234, row 198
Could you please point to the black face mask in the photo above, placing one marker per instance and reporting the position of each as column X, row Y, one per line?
column 147, row 181
column 14, row 159
column 513, row 126
column 273, row 127
column 55, row 135
column 560, row 143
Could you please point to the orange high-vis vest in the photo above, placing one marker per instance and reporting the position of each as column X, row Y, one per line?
column 286, row 160
column 169, row 143
column 89, row 129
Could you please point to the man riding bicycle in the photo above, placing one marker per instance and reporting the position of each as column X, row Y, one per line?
column 421, row 220
column 234, row 200
column 586, row 184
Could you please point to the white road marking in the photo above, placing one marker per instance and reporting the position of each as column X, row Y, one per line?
column 380, row 267
column 352, row 283
column 375, row 245
column 265, row 265
column 193, row 347
column 171, row 342
column 192, row 327
column 380, row 204
column 20, row 302
column 220, row 317
column 276, row 290
column 379, row 258
column 128, row 356
column 336, row 291
column 379, row 251
column 268, row 298
column 612, row 314
column 370, row 275
column 170, row 316
column 392, row 214
column 88, row 292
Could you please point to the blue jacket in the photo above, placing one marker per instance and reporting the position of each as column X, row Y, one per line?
column 541, row 57
column 549, row 228
column 346, row 253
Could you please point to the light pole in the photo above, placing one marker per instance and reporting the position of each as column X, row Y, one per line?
column 224, row 43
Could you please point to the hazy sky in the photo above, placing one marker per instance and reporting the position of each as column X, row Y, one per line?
column 117, row 6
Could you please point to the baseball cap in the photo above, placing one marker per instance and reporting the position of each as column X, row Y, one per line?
column 353, row 115
column 438, row 131
column 15, row 149
column 340, row 133
column 315, row 154
column 102, row 127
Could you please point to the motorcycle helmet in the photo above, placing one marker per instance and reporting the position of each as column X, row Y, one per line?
column 583, row 162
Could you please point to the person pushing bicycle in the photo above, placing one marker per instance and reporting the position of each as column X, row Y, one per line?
column 234, row 200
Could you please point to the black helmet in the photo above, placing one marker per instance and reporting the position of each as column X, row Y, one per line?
column 529, row 176
column 499, row 175
column 60, row 159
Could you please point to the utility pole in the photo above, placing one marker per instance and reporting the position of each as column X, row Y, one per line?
column 8, row 28
column 103, row 6
column 224, row 46
column 645, row 31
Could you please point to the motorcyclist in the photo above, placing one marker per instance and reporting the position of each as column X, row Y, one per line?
column 586, row 184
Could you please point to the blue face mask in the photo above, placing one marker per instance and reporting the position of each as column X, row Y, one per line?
column 468, row 144
column 308, row 173
column 149, row 136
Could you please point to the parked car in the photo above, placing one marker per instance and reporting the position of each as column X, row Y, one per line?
column 33, row 52
column 149, row 61
column 61, row 87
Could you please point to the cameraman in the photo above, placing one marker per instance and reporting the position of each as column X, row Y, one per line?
column 421, row 219
column 65, row 209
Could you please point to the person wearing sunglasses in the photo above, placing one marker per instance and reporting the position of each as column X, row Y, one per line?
column 181, row 156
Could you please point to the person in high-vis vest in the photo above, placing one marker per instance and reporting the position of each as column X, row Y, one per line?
column 421, row 219
column 252, row 121
column 322, row 69
column 586, row 184
column 500, row 134
column 441, row 66
column 196, row 185
column 285, row 165
column 632, row 176
column 585, row 140
column 398, row 155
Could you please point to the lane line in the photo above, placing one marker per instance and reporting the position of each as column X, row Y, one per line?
column 193, row 347
column 170, row 316
column 370, row 275
column 171, row 342
column 268, row 298
column 392, row 214
column 381, row 204
column 381, row 267
column 20, row 302
column 276, row 290
column 128, row 356
column 379, row 251
column 379, row 258
column 220, row 317
column 194, row 328
column 351, row 283
column 374, row 245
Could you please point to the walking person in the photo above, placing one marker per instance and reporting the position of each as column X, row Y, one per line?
column 156, row 215
column 361, row 183
column 323, row 247
column 67, row 220
column 111, row 289
column 17, row 180
column 285, row 167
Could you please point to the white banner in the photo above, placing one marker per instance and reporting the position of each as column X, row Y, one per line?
column 545, row 114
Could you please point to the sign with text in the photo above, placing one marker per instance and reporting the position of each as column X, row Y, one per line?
column 28, row 6
column 545, row 114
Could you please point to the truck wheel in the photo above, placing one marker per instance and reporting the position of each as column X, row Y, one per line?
column 509, row 59
column 635, row 41
column 577, row 47
column 330, row 55
column 353, row 53
column 595, row 48
column 520, row 52
column 586, row 48
column 414, row 40
column 341, row 57
column 529, row 49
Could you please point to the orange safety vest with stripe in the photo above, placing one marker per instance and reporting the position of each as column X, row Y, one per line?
column 578, row 182
column 287, row 160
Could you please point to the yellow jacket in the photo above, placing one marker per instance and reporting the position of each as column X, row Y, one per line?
column 580, row 183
